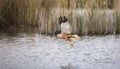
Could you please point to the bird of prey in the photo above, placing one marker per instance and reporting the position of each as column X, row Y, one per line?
column 65, row 32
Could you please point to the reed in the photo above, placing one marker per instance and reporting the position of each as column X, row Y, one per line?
column 85, row 16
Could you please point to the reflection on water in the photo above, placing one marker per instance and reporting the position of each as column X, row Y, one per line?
column 35, row 51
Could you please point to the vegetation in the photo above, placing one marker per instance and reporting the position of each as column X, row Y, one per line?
column 85, row 16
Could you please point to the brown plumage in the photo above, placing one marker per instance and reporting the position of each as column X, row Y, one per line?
column 68, row 38
column 65, row 32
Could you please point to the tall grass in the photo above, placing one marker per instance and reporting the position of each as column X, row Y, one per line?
column 85, row 16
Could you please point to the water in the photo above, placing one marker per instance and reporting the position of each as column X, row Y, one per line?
column 35, row 51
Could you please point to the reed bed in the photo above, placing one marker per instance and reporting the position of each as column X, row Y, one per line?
column 87, row 17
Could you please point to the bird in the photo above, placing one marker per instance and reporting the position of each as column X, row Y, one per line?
column 66, row 30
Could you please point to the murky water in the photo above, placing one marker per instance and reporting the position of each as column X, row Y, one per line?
column 36, row 51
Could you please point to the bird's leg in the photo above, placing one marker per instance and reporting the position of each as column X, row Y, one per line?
column 68, row 38
column 71, row 44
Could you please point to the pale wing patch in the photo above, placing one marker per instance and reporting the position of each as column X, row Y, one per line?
column 65, row 28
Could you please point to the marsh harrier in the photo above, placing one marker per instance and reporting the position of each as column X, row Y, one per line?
column 65, row 32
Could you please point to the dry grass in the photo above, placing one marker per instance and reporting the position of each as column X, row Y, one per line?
column 85, row 16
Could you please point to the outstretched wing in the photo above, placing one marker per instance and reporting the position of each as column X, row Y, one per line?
column 65, row 26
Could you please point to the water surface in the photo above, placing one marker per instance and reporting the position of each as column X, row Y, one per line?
column 35, row 51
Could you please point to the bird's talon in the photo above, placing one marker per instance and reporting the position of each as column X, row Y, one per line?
column 71, row 45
